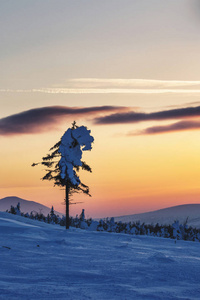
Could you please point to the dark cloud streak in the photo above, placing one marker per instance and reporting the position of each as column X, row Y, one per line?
column 45, row 118
column 48, row 118
column 135, row 117
column 178, row 126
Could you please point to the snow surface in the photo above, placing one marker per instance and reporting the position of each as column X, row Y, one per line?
column 73, row 142
column 44, row 261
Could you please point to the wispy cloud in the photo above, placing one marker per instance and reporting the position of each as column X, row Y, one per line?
column 47, row 118
column 135, row 117
column 103, row 91
column 178, row 126
column 132, row 83
column 116, row 86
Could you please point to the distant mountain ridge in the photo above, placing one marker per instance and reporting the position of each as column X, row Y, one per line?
column 161, row 216
column 190, row 212
column 25, row 205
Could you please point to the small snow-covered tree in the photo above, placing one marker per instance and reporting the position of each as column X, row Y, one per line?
column 176, row 230
column 52, row 216
column 52, row 212
column 65, row 160
column 15, row 210
column 82, row 215
column 12, row 210
column 111, row 225
column 18, row 211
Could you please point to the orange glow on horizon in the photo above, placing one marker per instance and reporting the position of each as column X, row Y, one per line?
column 130, row 175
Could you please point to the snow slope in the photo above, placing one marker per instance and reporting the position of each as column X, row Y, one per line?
column 167, row 215
column 26, row 206
column 43, row 261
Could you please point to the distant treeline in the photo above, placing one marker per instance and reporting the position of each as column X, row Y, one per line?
column 175, row 231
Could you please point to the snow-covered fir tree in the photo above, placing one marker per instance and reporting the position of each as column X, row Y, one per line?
column 65, row 160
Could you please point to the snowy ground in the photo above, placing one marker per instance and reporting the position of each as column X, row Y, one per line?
column 42, row 261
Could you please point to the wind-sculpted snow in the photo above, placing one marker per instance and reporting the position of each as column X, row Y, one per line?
column 73, row 142
column 15, row 223
column 48, row 262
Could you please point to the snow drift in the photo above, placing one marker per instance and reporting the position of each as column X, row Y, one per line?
column 43, row 261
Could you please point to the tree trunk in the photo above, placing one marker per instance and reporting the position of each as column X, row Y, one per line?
column 67, row 205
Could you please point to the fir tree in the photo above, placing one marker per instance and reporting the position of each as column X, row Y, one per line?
column 12, row 210
column 82, row 215
column 52, row 212
column 54, row 171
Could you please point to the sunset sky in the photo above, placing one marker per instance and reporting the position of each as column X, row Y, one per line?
column 130, row 72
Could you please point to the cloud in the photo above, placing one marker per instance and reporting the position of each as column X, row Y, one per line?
column 135, row 117
column 125, row 86
column 43, row 119
column 116, row 86
column 47, row 118
column 103, row 91
column 178, row 126
column 131, row 83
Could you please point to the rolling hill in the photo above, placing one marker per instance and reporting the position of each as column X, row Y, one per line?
column 26, row 205
column 191, row 212
column 167, row 215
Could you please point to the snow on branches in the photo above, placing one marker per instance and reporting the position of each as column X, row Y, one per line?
column 73, row 142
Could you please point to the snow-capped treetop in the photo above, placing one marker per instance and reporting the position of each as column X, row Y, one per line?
column 73, row 142
column 82, row 135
